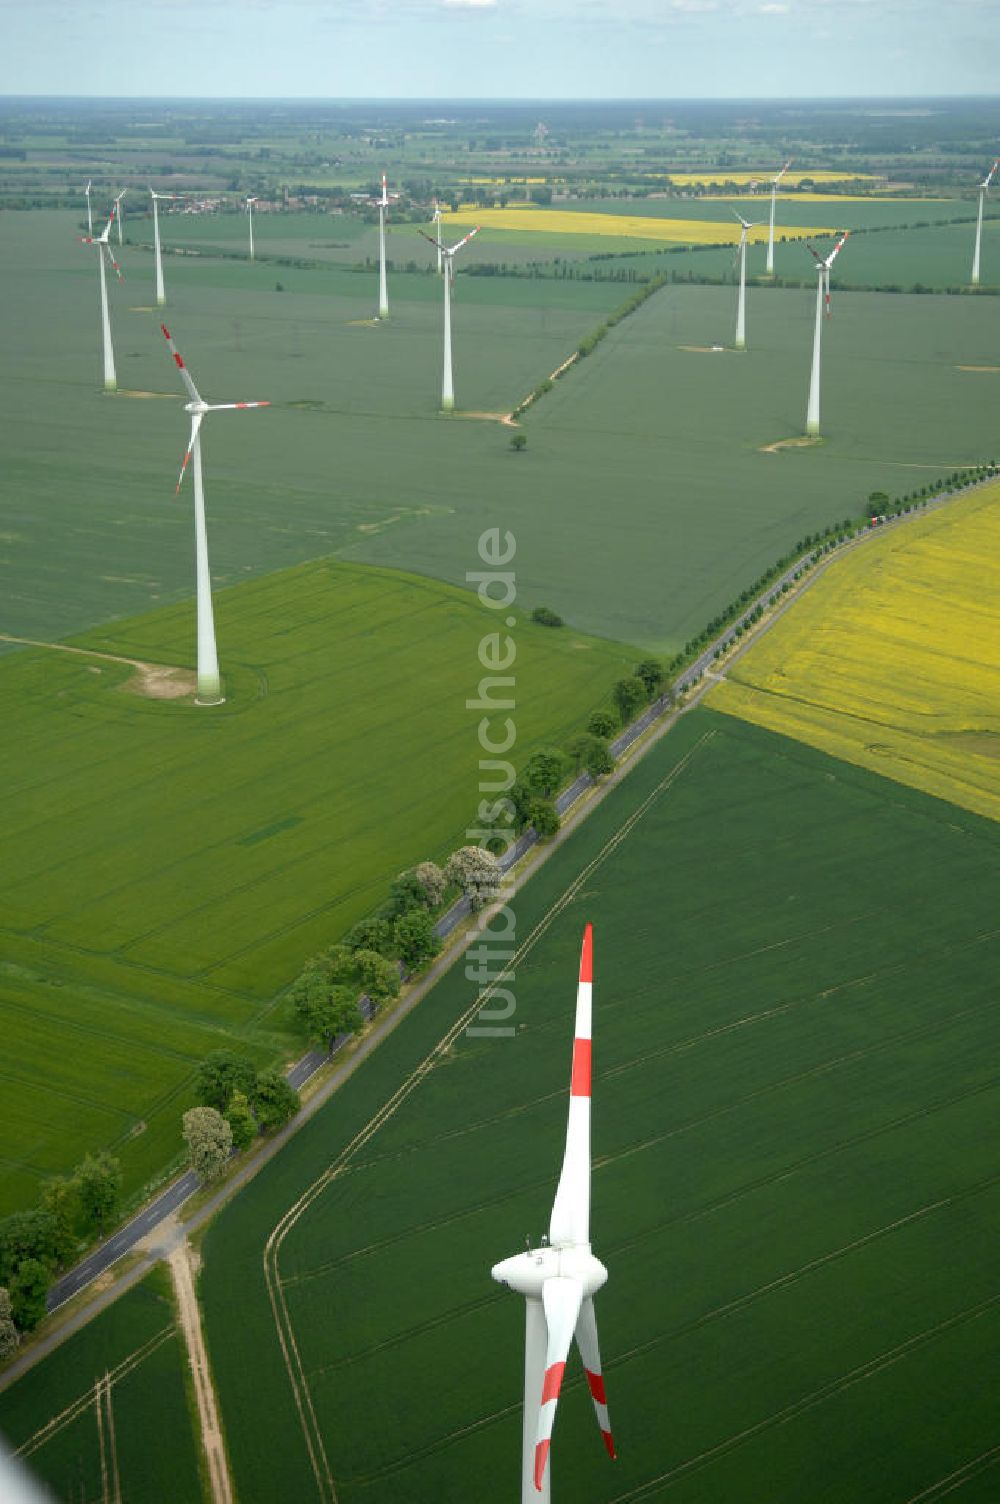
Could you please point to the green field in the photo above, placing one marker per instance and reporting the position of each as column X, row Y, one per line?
column 169, row 869
column 629, row 473
column 794, row 1185
column 135, row 1342
column 935, row 255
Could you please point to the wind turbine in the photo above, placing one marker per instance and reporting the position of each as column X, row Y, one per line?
column 209, row 683
column 770, row 233
column 741, row 304
column 249, row 213
column 559, row 1279
column 448, row 253
column 983, row 189
column 436, row 221
column 823, row 265
column 383, row 292
column 160, row 296
column 121, row 212
column 104, row 249
column 90, row 218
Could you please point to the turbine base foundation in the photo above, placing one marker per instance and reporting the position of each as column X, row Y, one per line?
column 447, row 404
column 812, row 429
column 110, row 385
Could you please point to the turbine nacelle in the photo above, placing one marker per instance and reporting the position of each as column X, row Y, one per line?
column 526, row 1273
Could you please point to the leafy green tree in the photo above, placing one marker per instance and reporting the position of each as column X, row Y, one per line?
column 26, row 1235
column 544, row 818
column 602, row 723
column 99, row 1181
column 578, row 747
column 433, row 882
column 373, row 933
column 328, row 1011
column 518, row 442
column 651, row 674
column 405, row 892
column 379, row 977
column 520, row 797
column 546, row 617
column 8, row 1331
column 28, row 1290
column 220, row 1074
column 599, row 759
column 242, row 1124
column 60, row 1197
column 543, row 771
column 629, row 695
column 415, row 938
column 476, row 872
column 209, row 1139
column 276, row 1101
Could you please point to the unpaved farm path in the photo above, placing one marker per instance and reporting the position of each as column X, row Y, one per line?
column 157, row 681
column 179, row 1260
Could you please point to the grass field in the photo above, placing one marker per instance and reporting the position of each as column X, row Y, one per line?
column 170, row 869
column 795, row 1188
column 892, row 660
column 152, row 1452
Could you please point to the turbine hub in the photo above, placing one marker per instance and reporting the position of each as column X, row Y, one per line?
column 526, row 1273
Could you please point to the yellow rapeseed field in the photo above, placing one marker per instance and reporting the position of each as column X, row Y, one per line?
column 630, row 226
column 892, row 659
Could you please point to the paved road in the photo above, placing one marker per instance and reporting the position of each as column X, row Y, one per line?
column 171, row 1199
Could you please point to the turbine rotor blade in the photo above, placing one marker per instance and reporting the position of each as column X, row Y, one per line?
column 178, row 360
column 562, row 1299
column 570, row 1219
column 590, row 1352
column 114, row 264
column 223, row 407
column 450, row 251
column 430, row 239
column 830, row 259
column 195, row 425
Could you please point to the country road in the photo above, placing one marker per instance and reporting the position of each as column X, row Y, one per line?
column 143, row 1227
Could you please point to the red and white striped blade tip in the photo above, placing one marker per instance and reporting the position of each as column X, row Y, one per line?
column 587, row 954
column 541, row 1458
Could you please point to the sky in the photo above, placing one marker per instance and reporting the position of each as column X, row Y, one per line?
column 508, row 49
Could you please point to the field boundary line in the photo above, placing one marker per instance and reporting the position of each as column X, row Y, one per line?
column 958, row 1478
column 276, row 1292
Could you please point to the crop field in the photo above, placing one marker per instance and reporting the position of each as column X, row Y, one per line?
column 135, row 1441
column 892, row 660
column 657, row 446
column 524, row 220
column 89, row 528
column 169, row 869
column 835, row 211
column 794, row 1188
column 353, row 457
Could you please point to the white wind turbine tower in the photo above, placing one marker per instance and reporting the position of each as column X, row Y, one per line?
column 121, row 212
column 741, row 302
column 983, row 189
column 436, row 221
column 209, row 683
column 90, row 217
column 160, row 295
column 822, row 294
column 383, row 291
column 448, row 253
column 559, row 1279
column 770, row 233
column 248, row 207
column 104, row 249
